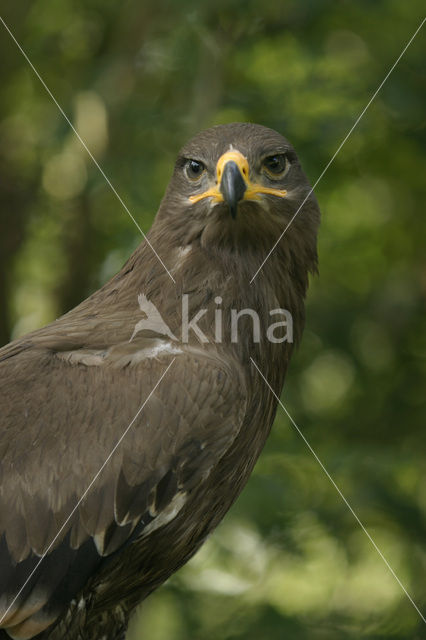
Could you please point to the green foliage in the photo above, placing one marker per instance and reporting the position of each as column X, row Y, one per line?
column 136, row 79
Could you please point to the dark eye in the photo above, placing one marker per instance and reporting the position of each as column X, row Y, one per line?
column 277, row 164
column 194, row 169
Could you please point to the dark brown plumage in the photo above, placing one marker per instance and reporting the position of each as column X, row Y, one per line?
column 69, row 391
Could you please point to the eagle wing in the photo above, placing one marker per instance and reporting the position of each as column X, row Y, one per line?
column 97, row 448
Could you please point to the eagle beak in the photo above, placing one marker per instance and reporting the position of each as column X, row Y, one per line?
column 233, row 183
column 232, row 186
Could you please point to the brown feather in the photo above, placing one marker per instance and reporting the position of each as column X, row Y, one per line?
column 69, row 390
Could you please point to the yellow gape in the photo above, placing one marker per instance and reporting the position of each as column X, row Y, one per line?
column 253, row 189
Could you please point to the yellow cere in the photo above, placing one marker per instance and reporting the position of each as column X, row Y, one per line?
column 253, row 190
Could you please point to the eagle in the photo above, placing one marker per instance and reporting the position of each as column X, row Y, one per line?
column 124, row 439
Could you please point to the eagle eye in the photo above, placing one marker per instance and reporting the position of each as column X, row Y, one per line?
column 194, row 169
column 276, row 165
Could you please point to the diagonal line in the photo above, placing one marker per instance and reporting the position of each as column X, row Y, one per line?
column 340, row 493
column 108, row 181
column 333, row 157
column 95, row 477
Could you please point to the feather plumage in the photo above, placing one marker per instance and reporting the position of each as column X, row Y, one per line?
column 69, row 391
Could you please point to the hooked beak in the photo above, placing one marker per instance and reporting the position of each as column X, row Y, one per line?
column 232, row 186
column 233, row 183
